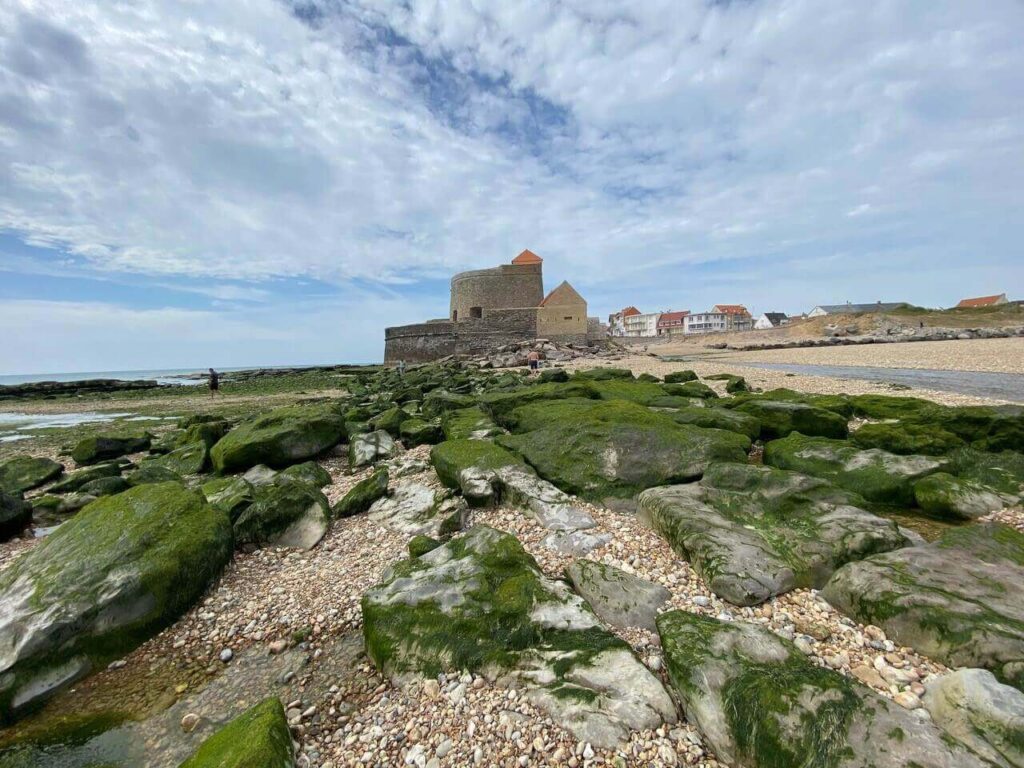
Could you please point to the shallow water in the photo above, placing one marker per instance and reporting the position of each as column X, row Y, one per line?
column 1001, row 386
column 19, row 426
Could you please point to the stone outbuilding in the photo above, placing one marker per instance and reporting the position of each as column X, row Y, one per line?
column 493, row 307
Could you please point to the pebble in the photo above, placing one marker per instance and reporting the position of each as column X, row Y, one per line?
column 226, row 655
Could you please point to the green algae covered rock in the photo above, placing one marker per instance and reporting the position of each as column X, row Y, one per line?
column 76, row 480
column 420, row 545
column 230, row 495
column 718, row 418
column 1002, row 472
column 761, row 703
column 257, row 738
column 619, row 598
column 956, row 600
column 691, row 389
column 15, row 514
column 188, row 459
column 284, row 513
column 838, row 404
column 105, row 486
column 906, row 439
column 452, row 458
column 498, row 405
column 363, row 494
column 680, row 377
column 468, row 423
column 389, row 420
column 23, row 473
column 416, row 431
column 549, row 375
column 604, row 374
column 308, row 472
column 440, row 401
column 148, row 473
column 93, row 450
column 282, row 437
column 480, row 603
column 615, row 448
column 779, row 419
column 878, row 476
column 370, row 448
column 118, row 572
column 643, row 392
column 755, row 532
column 943, row 495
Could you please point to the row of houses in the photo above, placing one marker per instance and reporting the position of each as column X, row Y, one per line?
column 631, row 322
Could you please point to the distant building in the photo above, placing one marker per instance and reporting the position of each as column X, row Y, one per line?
column 770, row 320
column 617, row 321
column 671, row 322
column 982, row 301
column 706, row 322
column 737, row 318
column 641, row 324
column 854, row 309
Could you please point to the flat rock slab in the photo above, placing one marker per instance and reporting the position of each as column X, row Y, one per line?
column 481, row 603
column 943, row 495
column 419, row 510
column 576, row 543
column 617, row 597
column 551, row 507
column 370, row 448
column 761, row 703
column 876, row 475
column 780, row 418
column 23, row 473
column 957, row 600
column 278, row 438
column 754, row 532
column 976, row 709
column 117, row 573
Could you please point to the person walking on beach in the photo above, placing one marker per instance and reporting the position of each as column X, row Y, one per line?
column 533, row 358
column 214, row 382
column 400, row 367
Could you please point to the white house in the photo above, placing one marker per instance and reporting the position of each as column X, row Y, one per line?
column 642, row 324
column 853, row 309
column 706, row 322
column 770, row 320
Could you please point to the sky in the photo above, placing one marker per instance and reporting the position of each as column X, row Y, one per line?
column 186, row 183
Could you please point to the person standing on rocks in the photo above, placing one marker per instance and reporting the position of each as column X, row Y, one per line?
column 400, row 367
column 533, row 359
column 214, row 382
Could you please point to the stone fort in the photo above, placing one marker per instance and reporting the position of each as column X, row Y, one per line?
column 493, row 307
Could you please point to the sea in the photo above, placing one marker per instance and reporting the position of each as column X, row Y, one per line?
column 162, row 376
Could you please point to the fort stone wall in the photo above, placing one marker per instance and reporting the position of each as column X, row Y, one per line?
column 419, row 343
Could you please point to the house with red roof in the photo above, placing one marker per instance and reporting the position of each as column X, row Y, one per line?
column 671, row 322
column 982, row 301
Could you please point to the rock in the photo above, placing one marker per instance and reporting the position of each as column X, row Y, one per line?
column 614, row 448
column 231, row 495
column 618, row 598
column 551, row 507
column 977, row 710
column 680, row 377
column 761, row 703
column 308, row 472
column 419, row 432
column 780, row 419
column 363, row 494
column 1001, row 472
column 76, row 480
column 906, row 439
column 370, row 447
column 948, row 600
column 736, row 384
column 943, row 495
column 878, row 476
column 499, row 405
column 755, row 532
column 468, row 424
column 420, row 545
column 93, row 450
column 226, row 655
column 151, row 473
column 389, row 420
column 23, row 473
column 279, row 438
column 257, row 738
column 15, row 515
column 576, row 543
column 416, row 509
column 718, row 418
column 105, row 486
column 121, row 570
column 553, row 375
column 284, row 513
column 189, row 459
column 481, row 604
column 468, row 466
column 691, row 389
column 190, row 721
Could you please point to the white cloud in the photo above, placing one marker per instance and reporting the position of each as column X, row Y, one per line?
column 624, row 143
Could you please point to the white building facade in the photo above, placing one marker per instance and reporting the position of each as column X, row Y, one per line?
column 706, row 322
column 641, row 325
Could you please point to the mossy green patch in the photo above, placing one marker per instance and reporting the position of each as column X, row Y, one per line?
column 452, row 457
column 282, row 437
column 258, row 738
column 23, row 473
column 363, row 494
column 906, row 439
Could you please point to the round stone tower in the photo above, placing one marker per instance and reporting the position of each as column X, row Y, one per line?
column 509, row 286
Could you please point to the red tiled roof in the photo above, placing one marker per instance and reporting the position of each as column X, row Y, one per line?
column 731, row 309
column 527, row 257
column 981, row 301
column 672, row 318
column 630, row 311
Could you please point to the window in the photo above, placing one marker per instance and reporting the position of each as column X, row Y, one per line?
column 476, row 311
column 455, row 314
column 567, row 318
